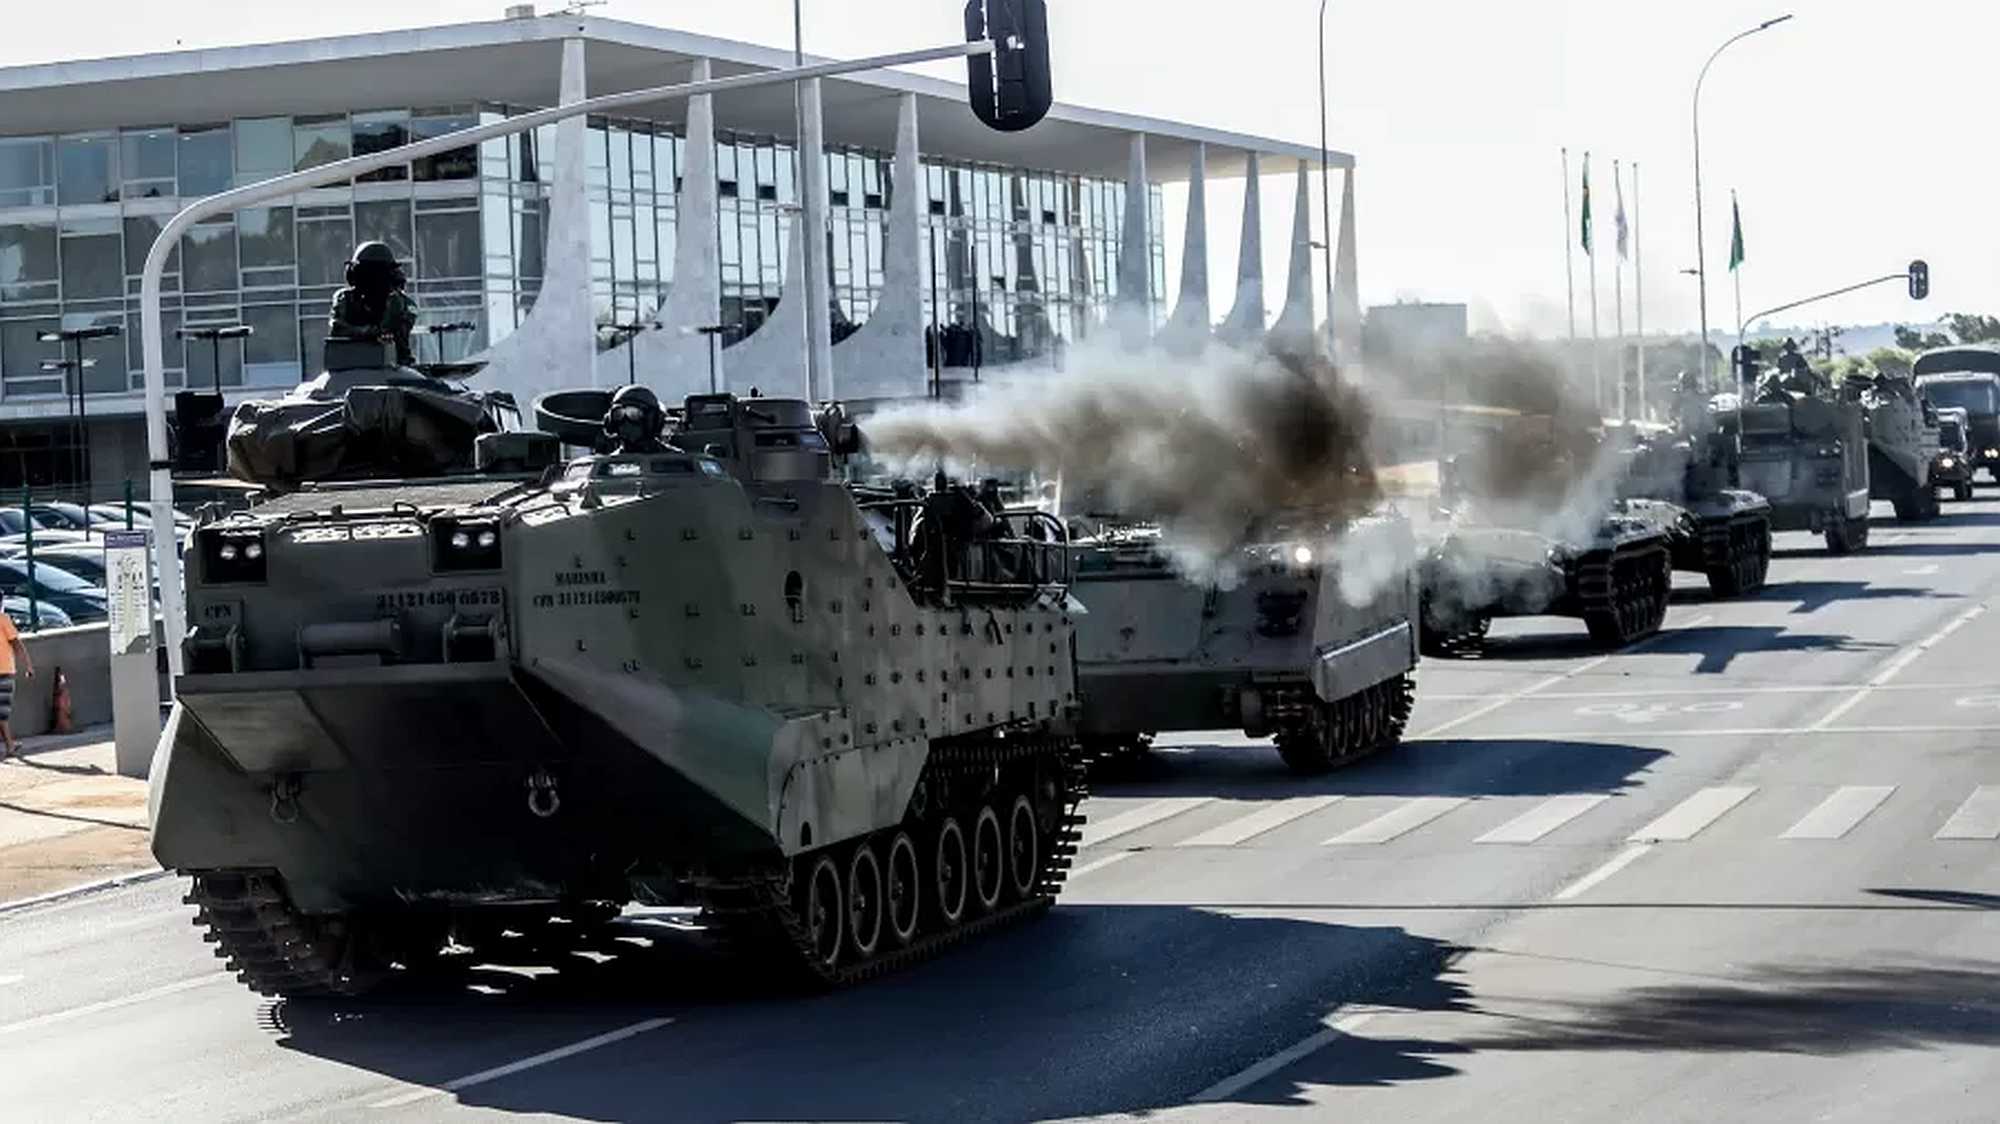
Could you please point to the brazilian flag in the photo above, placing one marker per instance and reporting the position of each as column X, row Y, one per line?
column 1736, row 234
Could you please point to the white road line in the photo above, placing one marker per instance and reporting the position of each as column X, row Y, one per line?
column 1628, row 734
column 1896, row 664
column 1250, row 1075
column 1977, row 818
column 1838, row 814
column 1584, row 668
column 1404, row 818
column 1145, row 815
column 88, row 1009
column 1686, row 819
column 1623, row 859
column 1263, row 819
column 1100, row 864
column 511, row 1068
column 1724, row 692
column 1543, row 818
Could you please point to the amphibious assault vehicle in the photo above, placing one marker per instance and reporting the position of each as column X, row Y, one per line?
column 1808, row 455
column 688, row 666
column 1903, row 443
column 1287, row 646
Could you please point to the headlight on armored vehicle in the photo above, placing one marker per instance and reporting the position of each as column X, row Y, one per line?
column 1946, row 462
column 465, row 544
column 231, row 555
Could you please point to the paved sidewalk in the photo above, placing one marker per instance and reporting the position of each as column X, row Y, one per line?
column 67, row 817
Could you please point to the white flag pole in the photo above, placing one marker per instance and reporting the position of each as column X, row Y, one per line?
column 1596, row 338
column 1618, row 289
column 1569, row 265
column 1639, row 296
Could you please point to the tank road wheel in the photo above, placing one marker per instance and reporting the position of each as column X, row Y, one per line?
column 864, row 902
column 902, row 891
column 1024, row 850
column 950, row 872
column 989, row 859
column 1640, row 585
column 1748, row 561
column 821, row 910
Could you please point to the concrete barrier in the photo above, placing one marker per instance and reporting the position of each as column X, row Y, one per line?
column 84, row 655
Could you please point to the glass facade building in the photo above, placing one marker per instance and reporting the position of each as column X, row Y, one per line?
column 1029, row 257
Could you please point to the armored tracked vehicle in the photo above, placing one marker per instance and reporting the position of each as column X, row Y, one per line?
column 1280, row 650
column 1683, row 482
column 1808, row 456
column 1902, row 444
column 689, row 666
column 1617, row 581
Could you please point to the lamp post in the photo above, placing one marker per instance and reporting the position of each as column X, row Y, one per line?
column 1325, row 180
column 1700, row 255
column 627, row 333
column 215, row 335
column 714, row 334
column 72, row 339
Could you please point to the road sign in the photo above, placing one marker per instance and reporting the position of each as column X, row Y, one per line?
column 135, row 682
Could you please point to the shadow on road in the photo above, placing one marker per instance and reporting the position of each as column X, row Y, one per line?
column 1898, row 549
column 1093, row 1009
column 1720, row 645
column 1811, row 597
column 1417, row 768
column 1965, row 898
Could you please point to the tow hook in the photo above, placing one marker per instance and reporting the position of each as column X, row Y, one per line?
column 543, row 799
column 285, row 799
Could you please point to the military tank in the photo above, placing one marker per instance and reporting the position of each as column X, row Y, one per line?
column 1682, row 481
column 688, row 665
column 1280, row 649
column 1616, row 579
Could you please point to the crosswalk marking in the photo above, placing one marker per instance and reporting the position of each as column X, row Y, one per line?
column 1404, row 818
column 1686, row 819
column 1265, row 818
column 1146, row 815
column 1977, row 818
column 1837, row 814
column 1543, row 818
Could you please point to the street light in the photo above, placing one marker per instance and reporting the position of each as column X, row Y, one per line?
column 215, row 334
column 80, row 432
column 714, row 334
column 1700, row 254
column 1325, row 180
column 625, row 334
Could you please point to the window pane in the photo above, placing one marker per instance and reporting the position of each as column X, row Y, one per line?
column 86, row 170
column 457, row 164
column 27, row 172
column 263, row 148
column 203, row 355
column 272, row 351
column 323, row 249
column 312, row 341
column 387, row 221
column 108, row 375
column 208, row 258
column 205, row 161
column 264, row 237
column 148, row 163
column 140, row 231
column 318, row 140
column 380, row 132
column 21, row 355
column 448, row 244
column 92, row 264
column 28, row 262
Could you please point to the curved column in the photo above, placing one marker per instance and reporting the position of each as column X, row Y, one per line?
column 1293, row 330
column 1246, row 317
column 1188, row 328
column 1344, row 318
column 1132, row 311
column 771, row 359
column 556, row 346
column 674, row 360
column 884, row 358
column 818, row 288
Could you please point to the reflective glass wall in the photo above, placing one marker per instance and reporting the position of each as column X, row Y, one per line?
column 1016, row 263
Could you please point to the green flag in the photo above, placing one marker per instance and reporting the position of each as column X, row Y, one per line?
column 1736, row 234
column 1586, row 203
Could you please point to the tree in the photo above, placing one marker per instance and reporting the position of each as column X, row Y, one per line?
column 1892, row 361
column 1960, row 328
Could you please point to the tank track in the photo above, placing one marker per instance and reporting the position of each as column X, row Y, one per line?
column 766, row 921
column 273, row 948
column 1736, row 554
column 1622, row 594
column 1317, row 737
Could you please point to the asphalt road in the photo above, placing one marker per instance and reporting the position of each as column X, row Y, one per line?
column 1750, row 868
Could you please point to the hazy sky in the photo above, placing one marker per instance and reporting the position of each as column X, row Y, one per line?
column 1844, row 130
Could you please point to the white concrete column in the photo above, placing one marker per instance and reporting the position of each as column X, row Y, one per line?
column 885, row 356
column 772, row 359
column 1132, row 312
column 819, row 327
column 1246, row 318
column 1294, row 327
column 1188, row 328
column 674, row 360
column 1344, row 319
column 556, row 346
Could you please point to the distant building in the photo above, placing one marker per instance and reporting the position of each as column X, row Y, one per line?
column 1411, row 325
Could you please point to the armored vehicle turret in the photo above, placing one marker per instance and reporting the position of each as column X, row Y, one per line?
column 1286, row 646
column 689, row 665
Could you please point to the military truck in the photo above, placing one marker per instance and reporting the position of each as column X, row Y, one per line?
column 1808, row 455
column 1952, row 467
column 685, row 666
column 1291, row 645
column 1967, row 378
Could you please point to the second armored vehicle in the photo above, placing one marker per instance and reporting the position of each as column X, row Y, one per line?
column 1683, row 481
column 1808, row 456
column 1285, row 649
column 1902, row 432
column 1617, row 581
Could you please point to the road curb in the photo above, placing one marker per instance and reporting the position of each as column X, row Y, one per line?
column 116, row 881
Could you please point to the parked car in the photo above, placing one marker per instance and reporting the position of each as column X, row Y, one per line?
column 13, row 543
column 13, row 521
column 112, row 515
column 60, row 515
column 82, row 601
column 44, row 616
column 85, row 560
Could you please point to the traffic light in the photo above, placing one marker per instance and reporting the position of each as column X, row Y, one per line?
column 1920, row 279
column 1009, row 89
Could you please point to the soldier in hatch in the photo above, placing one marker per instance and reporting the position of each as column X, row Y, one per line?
column 635, row 420
column 373, row 304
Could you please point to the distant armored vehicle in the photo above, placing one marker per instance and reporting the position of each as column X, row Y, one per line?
column 1952, row 468
column 1902, row 443
column 1616, row 580
column 1967, row 378
column 1684, row 481
column 1283, row 649
column 1808, row 456
column 688, row 666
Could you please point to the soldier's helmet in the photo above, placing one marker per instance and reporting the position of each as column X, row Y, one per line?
column 635, row 417
column 374, row 266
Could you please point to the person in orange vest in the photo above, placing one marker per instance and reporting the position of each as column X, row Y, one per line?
column 13, row 654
